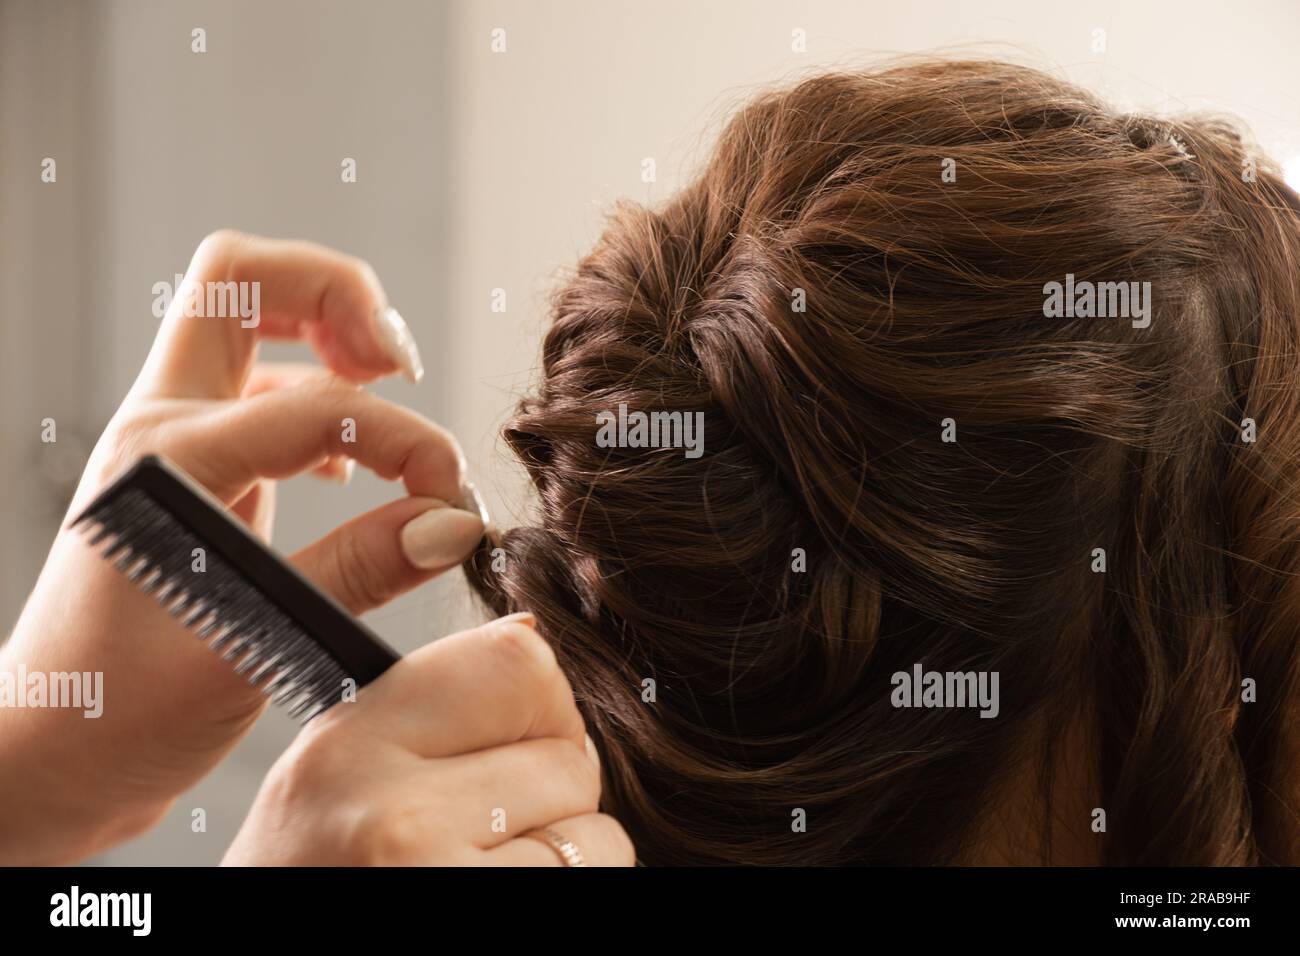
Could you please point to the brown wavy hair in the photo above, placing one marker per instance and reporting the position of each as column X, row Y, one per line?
column 1123, row 690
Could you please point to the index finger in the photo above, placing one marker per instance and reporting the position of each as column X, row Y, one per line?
column 281, row 432
column 240, row 288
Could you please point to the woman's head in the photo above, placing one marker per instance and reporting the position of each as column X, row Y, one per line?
column 911, row 456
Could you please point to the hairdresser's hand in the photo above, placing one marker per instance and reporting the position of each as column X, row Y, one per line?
column 450, row 758
column 171, row 709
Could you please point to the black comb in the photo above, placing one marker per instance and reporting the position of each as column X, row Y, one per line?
column 278, row 628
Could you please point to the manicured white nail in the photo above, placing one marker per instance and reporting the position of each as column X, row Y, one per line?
column 472, row 501
column 524, row 617
column 398, row 342
column 441, row 537
column 462, row 464
column 349, row 469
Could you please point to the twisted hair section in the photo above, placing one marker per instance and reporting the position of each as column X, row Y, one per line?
column 828, row 302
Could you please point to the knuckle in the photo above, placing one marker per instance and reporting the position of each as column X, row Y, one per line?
column 337, row 394
column 361, row 273
column 362, row 583
column 367, row 838
column 219, row 246
column 371, row 583
column 564, row 760
column 352, row 283
column 621, row 850
column 302, row 768
column 522, row 652
column 334, row 386
column 386, row 833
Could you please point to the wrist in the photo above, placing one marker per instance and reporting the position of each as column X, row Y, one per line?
column 54, row 808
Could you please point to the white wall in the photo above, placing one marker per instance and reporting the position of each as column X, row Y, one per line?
column 548, row 134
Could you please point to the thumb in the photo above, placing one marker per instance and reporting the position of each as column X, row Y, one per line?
column 383, row 553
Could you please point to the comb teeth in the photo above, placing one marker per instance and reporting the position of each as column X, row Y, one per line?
column 155, row 551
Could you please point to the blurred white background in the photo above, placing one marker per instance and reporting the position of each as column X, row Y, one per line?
column 476, row 171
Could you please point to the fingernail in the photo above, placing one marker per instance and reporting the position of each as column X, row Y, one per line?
column 525, row 617
column 441, row 537
column 349, row 469
column 396, row 338
column 462, row 464
column 472, row 501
